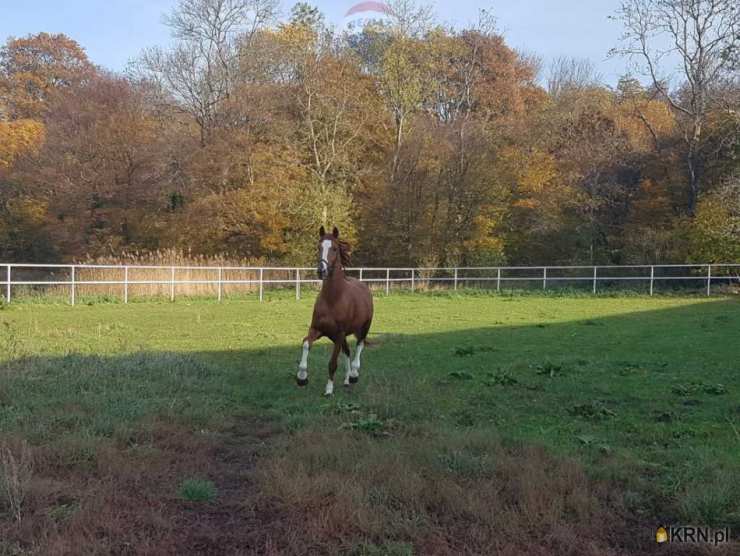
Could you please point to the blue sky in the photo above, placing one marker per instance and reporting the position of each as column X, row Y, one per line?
column 114, row 31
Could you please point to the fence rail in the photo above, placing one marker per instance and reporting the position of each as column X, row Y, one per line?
column 77, row 276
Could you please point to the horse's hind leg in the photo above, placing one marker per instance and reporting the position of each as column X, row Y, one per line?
column 302, row 376
column 338, row 341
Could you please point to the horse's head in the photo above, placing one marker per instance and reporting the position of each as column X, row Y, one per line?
column 332, row 251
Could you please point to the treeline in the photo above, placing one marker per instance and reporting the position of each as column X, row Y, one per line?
column 426, row 145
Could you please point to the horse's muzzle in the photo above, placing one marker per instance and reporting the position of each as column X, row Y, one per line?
column 323, row 269
column 301, row 381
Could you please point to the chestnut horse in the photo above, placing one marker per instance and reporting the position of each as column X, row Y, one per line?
column 344, row 307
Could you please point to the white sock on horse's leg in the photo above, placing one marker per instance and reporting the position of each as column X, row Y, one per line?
column 303, row 365
column 355, row 371
column 329, row 388
column 349, row 369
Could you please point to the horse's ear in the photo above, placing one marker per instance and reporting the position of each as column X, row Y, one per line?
column 322, row 232
column 335, row 232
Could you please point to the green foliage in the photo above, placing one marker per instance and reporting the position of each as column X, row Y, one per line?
column 369, row 424
column 551, row 369
column 502, row 379
column 693, row 388
column 592, row 410
column 715, row 232
column 197, row 490
column 386, row 549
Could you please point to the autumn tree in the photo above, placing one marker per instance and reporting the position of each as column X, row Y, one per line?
column 451, row 99
column 22, row 217
column 36, row 68
column 337, row 114
column 702, row 36
column 715, row 232
column 101, row 167
column 200, row 71
column 568, row 74
column 427, row 144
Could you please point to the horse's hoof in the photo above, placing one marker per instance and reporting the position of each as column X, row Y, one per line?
column 301, row 381
column 354, row 379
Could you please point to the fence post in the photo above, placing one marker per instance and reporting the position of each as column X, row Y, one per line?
column 652, row 278
column 412, row 280
column 172, row 283
column 73, row 285
column 220, row 281
column 455, row 278
column 709, row 279
column 125, row 284
column 387, row 281
column 498, row 279
column 261, row 271
column 297, row 284
column 544, row 277
column 594, row 289
column 7, row 286
column 360, row 275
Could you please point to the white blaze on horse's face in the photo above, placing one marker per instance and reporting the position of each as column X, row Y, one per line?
column 324, row 261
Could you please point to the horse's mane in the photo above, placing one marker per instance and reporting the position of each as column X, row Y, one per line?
column 344, row 252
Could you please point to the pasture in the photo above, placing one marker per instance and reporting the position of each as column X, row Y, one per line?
column 481, row 424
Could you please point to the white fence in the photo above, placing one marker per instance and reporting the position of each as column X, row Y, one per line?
column 127, row 277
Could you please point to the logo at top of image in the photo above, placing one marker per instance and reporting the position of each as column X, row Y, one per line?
column 370, row 6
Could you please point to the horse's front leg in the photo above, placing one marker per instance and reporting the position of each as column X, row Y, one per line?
column 302, row 376
column 338, row 341
column 354, row 372
column 348, row 360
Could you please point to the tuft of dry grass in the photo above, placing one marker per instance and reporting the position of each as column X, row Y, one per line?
column 318, row 491
column 148, row 266
column 121, row 496
column 16, row 471
column 439, row 493
column 202, row 269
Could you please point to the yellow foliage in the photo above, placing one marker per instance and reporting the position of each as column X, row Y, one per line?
column 635, row 118
column 17, row 138
column 531, row 170
column 484, row 245
column 715, row 231
column 18, row 218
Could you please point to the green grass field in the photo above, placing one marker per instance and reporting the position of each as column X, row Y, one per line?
column 481, row 424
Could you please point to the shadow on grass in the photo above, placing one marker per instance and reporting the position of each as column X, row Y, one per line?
column 575, row 437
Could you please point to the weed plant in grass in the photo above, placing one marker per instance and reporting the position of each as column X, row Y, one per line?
column 197, row 490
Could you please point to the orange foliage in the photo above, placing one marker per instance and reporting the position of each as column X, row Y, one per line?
column 35, row 68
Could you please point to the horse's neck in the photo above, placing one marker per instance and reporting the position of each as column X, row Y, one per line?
column 333, row 286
